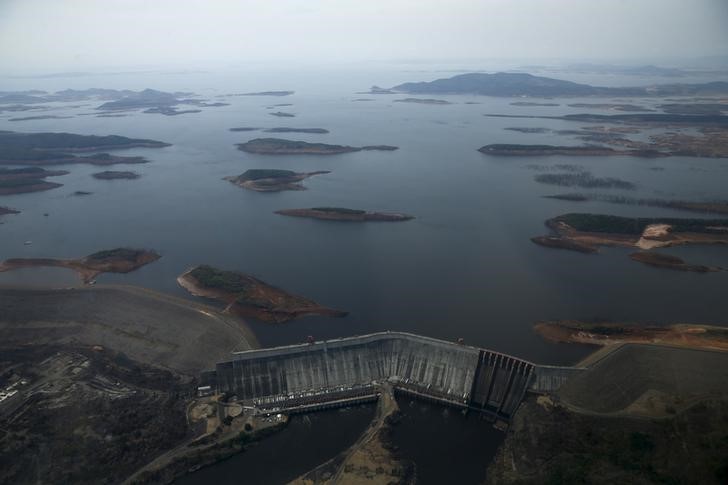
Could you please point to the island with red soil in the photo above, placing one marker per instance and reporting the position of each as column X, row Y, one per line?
column 692, row 336
column 345, row 215
column 119, row 260
column 668, row 261
column 247, row 296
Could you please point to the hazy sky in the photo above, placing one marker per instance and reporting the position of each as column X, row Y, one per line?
column 75, row 34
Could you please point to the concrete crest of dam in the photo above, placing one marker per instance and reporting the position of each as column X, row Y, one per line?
column 339, row 372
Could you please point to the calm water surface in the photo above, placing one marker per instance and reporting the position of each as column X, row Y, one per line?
column 464, row 268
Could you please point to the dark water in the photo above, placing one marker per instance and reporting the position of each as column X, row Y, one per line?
column 445, row 445
column 284, row 456
column 464, row 268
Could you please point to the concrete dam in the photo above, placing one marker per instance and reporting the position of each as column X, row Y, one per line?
column 299, row 378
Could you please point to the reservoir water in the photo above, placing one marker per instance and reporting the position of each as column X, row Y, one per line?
column 464, row 268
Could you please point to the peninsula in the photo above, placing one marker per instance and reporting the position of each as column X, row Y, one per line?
column 272, row 180
column 279, row 146
column 681, row 335
column 346, row 215
column 27, row 179
column 25, row 185
column 250, row 297
column 58, row 148
column 586, row 232
column 119, row 260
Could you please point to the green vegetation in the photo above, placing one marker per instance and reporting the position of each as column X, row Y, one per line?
column 229, row 281
column 636, row 226
column 118, row 253
column 263, row 173
column 339, row 210
column 67, row 140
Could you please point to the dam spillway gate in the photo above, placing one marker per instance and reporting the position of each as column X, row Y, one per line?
column 299, row 378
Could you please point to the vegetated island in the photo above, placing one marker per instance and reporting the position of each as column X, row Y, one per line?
column 583, row 179
column 245, row 128
column 119, row 260
column 532, row 103
column 272, row 180
column 345, row 215
column 266, row 93
column 611, row 106
column 706, row 207
column 680, row 335
column 668, row 261
column 505, row 149
column 286, row 129
column 116, row 175
column 586, row 232
column 279, row 146
column 59, row 148
column 250, row 297
column 422, row 101
column 282, row 114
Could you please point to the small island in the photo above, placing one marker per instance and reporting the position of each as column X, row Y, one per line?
column 422, row 101
column 667, row 261
column 680, row 335
column 285, row 129
column 278, row 146
column 245, row 128
column 504, row 149
column 272, row 180
column 345, row 215
column 119, row 260
column 7, row 210
column 282, row 114
column 586, row 232
column 247, row 296
column 170, row 111
column 115, row 175
column 267, row 93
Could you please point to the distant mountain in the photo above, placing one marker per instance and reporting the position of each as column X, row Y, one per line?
column 522, row 84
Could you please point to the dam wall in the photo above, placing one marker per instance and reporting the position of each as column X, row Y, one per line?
column 341, row 370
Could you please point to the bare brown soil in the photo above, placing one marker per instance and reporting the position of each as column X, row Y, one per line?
column 670, row 262
column 89, row 267
column 259, row 300
column 653, row 237
column 681, row 335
